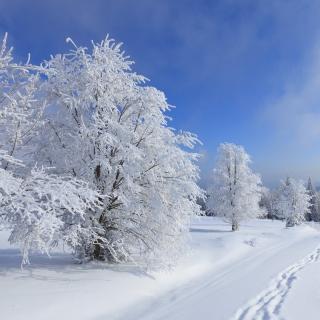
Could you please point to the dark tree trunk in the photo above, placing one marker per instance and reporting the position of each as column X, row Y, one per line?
column 98, row 253
column 235, row 226
column 290, row 223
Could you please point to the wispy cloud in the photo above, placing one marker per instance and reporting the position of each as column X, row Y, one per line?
column 295, row 113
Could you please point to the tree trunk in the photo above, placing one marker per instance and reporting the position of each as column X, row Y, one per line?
column 235, row 226
column 289, row 223
column 98, row 253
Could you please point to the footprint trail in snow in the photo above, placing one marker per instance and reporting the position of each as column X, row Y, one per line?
column 267, row 305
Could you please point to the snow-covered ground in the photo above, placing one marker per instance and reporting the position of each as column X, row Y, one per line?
column 264, row 271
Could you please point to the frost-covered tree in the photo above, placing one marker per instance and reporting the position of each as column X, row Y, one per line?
column 235, row 191
column 316, row 217
column 293, row 201
column 37, row 206
column 20, row 106
column 105, row 126
column 269, row 203
column 265, row 203
column 313, row 214
column 43, row 209
column 87, row 157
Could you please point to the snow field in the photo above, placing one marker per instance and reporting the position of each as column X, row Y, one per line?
column 216, row 280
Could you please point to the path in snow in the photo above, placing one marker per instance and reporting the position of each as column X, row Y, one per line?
column 267, row 305
column 218, row 293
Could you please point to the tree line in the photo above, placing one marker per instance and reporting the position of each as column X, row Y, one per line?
column 236, row 193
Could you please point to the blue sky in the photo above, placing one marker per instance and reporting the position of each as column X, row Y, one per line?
column 237, row 71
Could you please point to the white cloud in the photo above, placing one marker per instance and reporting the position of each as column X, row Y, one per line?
column 296, row 112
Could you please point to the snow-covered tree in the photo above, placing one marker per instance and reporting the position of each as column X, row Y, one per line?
column 269, row 203
column 314, row 212
column 104, row 126
column 101, row 170
column 42, row 209
column 316, row 217
column 293, row 201
column 265, row 203
column 37, row 206
column 20, row 107
column 235, row 191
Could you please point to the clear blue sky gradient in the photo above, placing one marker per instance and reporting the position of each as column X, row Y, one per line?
column 237, row 71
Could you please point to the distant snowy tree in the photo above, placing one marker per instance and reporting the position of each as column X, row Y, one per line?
column 236, row 191
column 293, row 202
column 316, row 217
column 201, row 201
column 269, row 203
column 314, row 213
column 104, row 126
column 265, row 203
